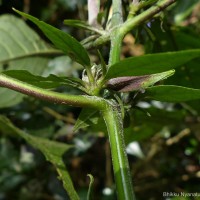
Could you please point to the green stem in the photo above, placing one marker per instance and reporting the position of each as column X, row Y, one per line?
column 118, row 33
column 116, row 38
column 116, row 43
column 98, row 42
column 117, row 13
column 113, row 117
column 55, row 97
column 146, row 15
column 131, row 23
column 113, row 120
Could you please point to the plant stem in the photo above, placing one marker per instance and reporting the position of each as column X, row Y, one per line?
column 131, row 23
column 98, row 42
column 117, row 13
column 55, row 97
column 119, row 32
column 113, row 117
column 113, row 120
column 146, row 15
column 116, row 43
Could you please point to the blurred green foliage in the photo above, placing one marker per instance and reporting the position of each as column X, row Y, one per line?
column 168, row 133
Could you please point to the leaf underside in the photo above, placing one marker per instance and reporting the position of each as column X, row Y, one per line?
column 23, row 50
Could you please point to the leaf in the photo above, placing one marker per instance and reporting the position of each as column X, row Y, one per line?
column 171, row 93
column 49, row 82
column 83, row 25
column 186, row 38
column 61, row 40
column 144, row 126
column 183, row 9
column 19, row 41
column 21, row 48
column 151, row 63
column 131, row 83
column 188, row 75
column 52, row 150
column 87, row 117
column 103, row 64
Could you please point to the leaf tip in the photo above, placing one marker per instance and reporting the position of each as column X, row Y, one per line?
column 17, row 11
column 91, row 178
column 172, row 71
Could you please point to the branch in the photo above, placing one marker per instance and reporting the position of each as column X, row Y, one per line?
column 116, row 44
column 131, row 23
column 51, row 96
column 146, row 15
column 98, row 42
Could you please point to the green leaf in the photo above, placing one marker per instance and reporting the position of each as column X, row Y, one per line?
column 83, row 25
column 183, row 9
column 87, row 117
column 53, row 151
column 21, row 48
column 144, row 126
column 186, row 38
column 188, row 75
column 89, row 194
column 142, row 132
column 61, row 40
column 103, row 64
column 151, row 63
column 171, row 93
column 18, row 41
column 49, row 82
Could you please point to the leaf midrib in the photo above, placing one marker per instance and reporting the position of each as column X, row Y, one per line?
column 39, row 53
